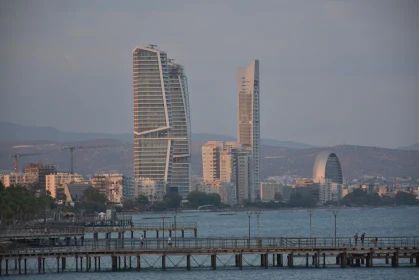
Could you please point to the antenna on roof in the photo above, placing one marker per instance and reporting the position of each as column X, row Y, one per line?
column 152, row 46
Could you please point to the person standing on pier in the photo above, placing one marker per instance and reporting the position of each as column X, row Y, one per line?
column 362, row 238
column 356, row 239
column 169, row 242
column 142, row 240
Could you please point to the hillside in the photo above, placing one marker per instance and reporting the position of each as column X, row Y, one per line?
column 356, row 160
column 414, row 147
column 14, row 132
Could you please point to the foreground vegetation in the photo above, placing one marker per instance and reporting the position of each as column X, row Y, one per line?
column 23, row 203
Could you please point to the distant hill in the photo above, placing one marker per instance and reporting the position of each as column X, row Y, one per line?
column 15, row 132
column 414, row 147
column 290, row 158
column 356, row 160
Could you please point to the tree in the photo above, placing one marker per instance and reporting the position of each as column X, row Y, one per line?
column 1, row 186
column 172, row 200
column 142, row 200
column 214, row 199
column 278, row 197
column 197, row 198
column 19, row 203
column 405, row 198
column 93, row 200
column 299, row 200
column 128, row 204
column 360, row 198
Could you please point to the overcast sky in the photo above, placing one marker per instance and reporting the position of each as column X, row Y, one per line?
column 332, row 72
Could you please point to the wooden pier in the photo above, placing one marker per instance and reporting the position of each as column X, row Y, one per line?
column 214, row 253
column 39, row 232
column 143, row 228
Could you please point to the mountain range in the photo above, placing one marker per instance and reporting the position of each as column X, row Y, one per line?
column 277, row 157
column 15, row 132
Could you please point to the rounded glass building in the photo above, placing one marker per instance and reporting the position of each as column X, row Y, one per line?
column 327, row 167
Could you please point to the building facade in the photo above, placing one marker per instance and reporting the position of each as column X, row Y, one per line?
column 111, row 186
column 181, row 129
column 268, row 191
column 249, row 119
column 228, row 163
column 161, row 119
column 54, row 182
column 327, row 167
column 41, row 171
column 211, row 160
column 16, row 178
column 226, row 190
column 153, row 190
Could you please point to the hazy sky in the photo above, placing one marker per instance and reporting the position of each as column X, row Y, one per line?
column 332, row 72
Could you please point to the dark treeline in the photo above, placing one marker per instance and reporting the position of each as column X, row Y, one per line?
column 18, row 203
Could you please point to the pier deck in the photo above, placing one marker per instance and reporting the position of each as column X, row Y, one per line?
column 119, row 254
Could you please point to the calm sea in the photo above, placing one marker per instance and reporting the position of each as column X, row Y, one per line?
column 372, row 221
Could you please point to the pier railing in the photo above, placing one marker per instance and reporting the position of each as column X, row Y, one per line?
column 40, row 231
column 91, row 245
column 149, row 226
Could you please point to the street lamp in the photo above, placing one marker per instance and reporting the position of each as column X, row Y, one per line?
column 249, row 214
column 335, row 213
column 257, row 216
column 174, row 216
column 163, row 215
column 310, row 213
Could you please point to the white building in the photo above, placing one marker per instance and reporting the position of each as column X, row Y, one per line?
column 56, row 181
column 268, row 190
column 161, row 119
column 337, row 192
column 325, row 192
column 211, row 160
column 153, row 190
column 181, row 129
column 226, row 190
column 245, row 190
column 249, row 119
column 111, row 185
column 16, row 178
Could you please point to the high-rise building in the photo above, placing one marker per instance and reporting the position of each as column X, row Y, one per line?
column 327, row 167
column 243, row 175
column 228, row 163
column 249, row 119
column 161, row 119
column 211, row 160
column 181, row 129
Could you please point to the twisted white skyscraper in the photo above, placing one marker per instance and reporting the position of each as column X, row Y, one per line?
column 161, row 119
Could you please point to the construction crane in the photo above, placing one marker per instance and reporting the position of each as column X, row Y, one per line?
column 16, row 159
column 72, row 148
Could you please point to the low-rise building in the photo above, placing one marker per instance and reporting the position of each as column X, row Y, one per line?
column 16, row 178
column 73, row 192
column 40, row 171
column 112, row 185
column 269, row 190
column 54, row 182
column 153, row 190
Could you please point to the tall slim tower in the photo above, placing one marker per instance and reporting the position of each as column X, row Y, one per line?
column 181, row 128
column 161, row 118
column 249, row 119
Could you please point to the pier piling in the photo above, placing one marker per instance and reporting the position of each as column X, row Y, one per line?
column 188, row 262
